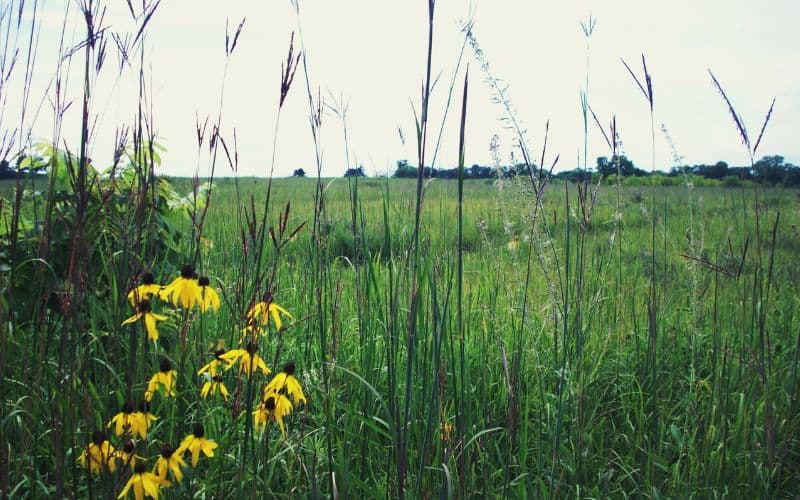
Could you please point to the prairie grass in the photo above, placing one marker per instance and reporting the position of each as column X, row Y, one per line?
column 517, row 338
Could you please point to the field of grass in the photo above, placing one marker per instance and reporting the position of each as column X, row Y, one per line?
column 550, row 373
column 384, row 338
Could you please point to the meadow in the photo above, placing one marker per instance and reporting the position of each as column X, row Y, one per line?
column 524, row 337
column 497, row 393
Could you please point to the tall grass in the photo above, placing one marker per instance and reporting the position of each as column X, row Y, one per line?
column 454, row 338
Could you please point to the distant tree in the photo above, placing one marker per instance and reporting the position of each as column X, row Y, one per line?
column 770, row 169
column 792, row 176
column 299, row 173
column 575, row 175
column 682, row 170
column 404, row 170
column 626, row 167
column 715, row 171
column 355, row 172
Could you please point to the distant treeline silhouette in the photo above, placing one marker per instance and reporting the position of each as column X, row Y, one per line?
column 769, row 170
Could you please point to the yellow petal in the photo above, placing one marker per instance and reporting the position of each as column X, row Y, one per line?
column 195, row 453
column 138, row 488
column 150, row 324
column 209, row 447
column 132, row 319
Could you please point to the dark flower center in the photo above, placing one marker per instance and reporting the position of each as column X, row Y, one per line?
column 144, row 406
column 269, row 403
column 217, row 378
column 218, row 353
column 129, row 446
column 167, row 451
column 148, row 278
column 140, row 467
column 203, row 281
column 98, row 437
column 128, row 407
column 268, row 298
column 166, row 366
column 198, row 430
column 252, row 347
column 288, row 368
column 187, row 272
column 145, row 306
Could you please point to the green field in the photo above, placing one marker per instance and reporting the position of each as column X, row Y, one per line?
column 558, row 360
column 598, row 333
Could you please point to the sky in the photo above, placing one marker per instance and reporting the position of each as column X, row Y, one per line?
column 369, row 57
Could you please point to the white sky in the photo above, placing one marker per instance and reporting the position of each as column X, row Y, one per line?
column 373, row 54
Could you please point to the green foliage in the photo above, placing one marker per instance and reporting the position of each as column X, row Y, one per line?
column 109, row 202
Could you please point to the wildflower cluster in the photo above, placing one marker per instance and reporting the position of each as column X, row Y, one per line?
column 275, row 403
column 185, row 291
column 131, row 425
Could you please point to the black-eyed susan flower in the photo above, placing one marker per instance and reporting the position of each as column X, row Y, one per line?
column 99, row 454
column 163, row 379
column 170, row 461
column 184, row 291
column 208, row 296
column 147, row 289
column 143, row 419
column 195, row 443
column 212, row 385
column 125, row 422
column 285, row 383
column 126, row 454
column 143, row 483
column 145, row 311
column 215, row 364
column 249, row 361
column 274, row 406
column 266, row 308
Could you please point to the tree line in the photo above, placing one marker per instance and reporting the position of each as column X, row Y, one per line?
column 769, row 170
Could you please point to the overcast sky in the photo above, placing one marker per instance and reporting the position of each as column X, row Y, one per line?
column 371, row 56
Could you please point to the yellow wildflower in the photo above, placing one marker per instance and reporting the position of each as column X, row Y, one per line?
column 145, row 291
column 249, row 361
column 273, row 407
column 143, row 418
column 146, row 311
column 169, row 461
column 207, row 295
column 144, row 483
column 212, row 366
column 195, row 443
column 99, row 454
column 184, row 290
column 125, row 422
column 263, row 310
column 285, row 383
column 162, row 379
column 126, row 455
column 212, row 385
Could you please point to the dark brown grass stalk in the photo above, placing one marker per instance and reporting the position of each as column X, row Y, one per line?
column 652, row 308
column 761, row 285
